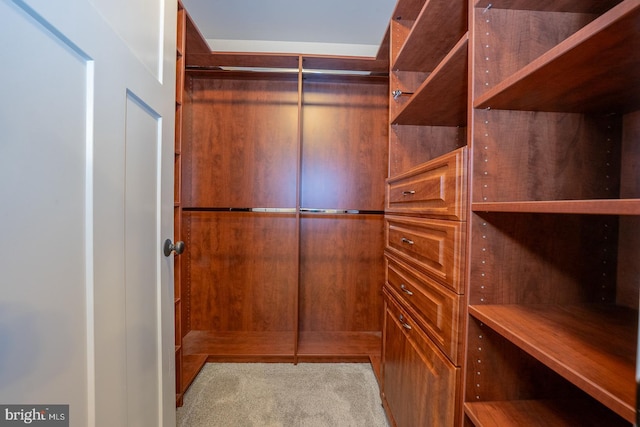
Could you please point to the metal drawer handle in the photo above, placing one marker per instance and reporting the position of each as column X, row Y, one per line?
column 407, row 241
column 403, row 323
column 408, row 193
column 405, row 290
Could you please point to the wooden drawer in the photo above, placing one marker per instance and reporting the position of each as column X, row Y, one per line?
column 420, row 386
column 438, row 310
column 431, row 246
column 437, row 188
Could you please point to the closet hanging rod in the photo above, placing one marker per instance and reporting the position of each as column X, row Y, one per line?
column 337, row 72
column 288, row 210
column 341, row 211
column 398, row 93
column 229, row 209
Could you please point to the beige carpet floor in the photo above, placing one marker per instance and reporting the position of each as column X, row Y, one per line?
column 283, row 395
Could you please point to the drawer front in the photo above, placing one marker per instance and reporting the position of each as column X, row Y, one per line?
column 437, row 188
column 438, row 310
column 420, row 385
column 431, row 246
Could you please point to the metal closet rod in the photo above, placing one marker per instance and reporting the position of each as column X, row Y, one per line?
column 290, row 210
column 278, row 70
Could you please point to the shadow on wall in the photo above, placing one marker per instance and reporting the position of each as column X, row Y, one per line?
column 30, row 356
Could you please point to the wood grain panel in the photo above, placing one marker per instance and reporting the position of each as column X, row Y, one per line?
column 242, row 271
column 410, row 146
column 525, row 155
column 498, row 370
column 341, row 272
column 507, row 40
column 242, row 148
column 628, row 267
column 344, row 145
column 543, row 259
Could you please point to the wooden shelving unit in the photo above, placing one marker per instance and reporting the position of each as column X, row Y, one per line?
column 553, row 292
column 426, row 213
column 187, row 366
column 177, row 216
column 441, row 100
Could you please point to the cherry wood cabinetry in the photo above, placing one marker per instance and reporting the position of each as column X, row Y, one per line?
column 418, row 378
column 553, row 288
column 282, row 207
column 426, row 214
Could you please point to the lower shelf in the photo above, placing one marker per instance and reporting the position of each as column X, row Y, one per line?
column 592, row 347
column 240, row 346
column 339, row 344
column 191, row 366
column 558, row 413
column 200, row 347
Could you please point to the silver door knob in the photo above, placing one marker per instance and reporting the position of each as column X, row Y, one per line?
column 170, row 247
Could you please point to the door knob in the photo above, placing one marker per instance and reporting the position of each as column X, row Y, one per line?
column 170, row 247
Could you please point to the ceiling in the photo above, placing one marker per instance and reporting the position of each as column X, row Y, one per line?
column 322, row 27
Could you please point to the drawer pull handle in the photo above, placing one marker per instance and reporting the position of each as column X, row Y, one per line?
column 403, row 323
column 408, row 193
column 405, row 290
column 407, row 241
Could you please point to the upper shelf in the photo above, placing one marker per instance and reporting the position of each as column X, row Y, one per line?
column 583, row 6
column 593, row 71
column 441, row 100
column 437, row 28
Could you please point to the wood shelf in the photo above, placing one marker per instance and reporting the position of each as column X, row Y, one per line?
column 592, row 347
column 408, row 10
column 557, row 413
column 441, row 23
column 586, row 6
column 239, row 345
column 339, row 345
column 442, row 99
column 191, row 366
column 589, row 207
column 568, row 79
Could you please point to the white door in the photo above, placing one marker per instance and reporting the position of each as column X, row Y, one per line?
column 86, row 186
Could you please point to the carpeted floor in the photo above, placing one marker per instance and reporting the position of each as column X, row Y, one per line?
column 283, row 395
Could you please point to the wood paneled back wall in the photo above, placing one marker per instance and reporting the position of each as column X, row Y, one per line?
column 268, row 276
